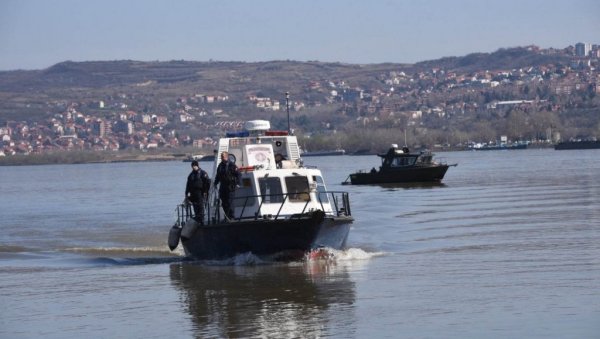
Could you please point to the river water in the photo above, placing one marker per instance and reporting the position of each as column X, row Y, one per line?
column 507, row 247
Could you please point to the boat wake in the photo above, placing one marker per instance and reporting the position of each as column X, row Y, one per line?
column 125, row 251
column 243, row 259
column 12, row 249
column 86, row 257
column 319, row 255
column 108, row 256
column 149, row 255
column 107, row 261
column 350, row 254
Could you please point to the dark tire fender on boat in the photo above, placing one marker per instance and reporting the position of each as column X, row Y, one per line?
column 174, row 235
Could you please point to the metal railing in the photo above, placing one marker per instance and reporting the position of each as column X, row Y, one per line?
column 331, row 202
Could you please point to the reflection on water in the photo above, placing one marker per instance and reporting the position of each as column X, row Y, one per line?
column 310, row 299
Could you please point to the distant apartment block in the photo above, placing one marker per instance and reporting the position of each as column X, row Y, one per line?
column 582, row 49
column 99, row 128
column 125, row 127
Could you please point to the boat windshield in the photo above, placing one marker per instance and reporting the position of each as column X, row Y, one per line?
column 426, row 159
column 403, row 161
column 297, row 187
column 270, row 190
column 243, row 196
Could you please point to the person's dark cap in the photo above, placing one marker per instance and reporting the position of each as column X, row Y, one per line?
column 195, row 163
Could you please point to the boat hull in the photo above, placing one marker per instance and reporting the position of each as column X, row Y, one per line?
column 289, row 238
column 414, row 174
column 501, row 147
column 571, row 145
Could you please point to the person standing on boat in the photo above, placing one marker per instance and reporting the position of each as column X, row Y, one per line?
column 196, row 188
column 227, row 178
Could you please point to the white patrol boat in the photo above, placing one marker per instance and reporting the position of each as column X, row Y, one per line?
column 281, row 208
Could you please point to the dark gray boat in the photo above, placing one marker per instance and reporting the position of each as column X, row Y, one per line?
column 501, row 147
column 401, row 166
column 579, row 144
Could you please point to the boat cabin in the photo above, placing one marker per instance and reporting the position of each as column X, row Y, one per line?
column 273, row 180
column 396, row 158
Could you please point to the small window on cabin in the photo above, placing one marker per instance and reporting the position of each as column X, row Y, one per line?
column 270, row 190
column 297, row 188
column 399, row 162
column 403, row 161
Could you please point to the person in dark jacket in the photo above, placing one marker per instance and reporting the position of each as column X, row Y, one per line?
column 196, row 188
column 227, row 178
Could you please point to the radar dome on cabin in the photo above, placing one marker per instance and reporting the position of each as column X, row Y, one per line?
column 257, row 126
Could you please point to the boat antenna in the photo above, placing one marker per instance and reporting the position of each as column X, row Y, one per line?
column 287, row 108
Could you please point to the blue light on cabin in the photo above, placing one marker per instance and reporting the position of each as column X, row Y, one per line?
column 241, row 134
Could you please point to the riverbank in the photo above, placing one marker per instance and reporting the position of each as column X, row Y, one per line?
column 57, row 158
column 84, row 157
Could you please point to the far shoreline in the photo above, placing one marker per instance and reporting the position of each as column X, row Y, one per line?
column 73, row 158
column 106, row 157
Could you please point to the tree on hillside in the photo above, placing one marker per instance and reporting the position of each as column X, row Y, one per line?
column 483, row 131
column 543, row 120
column 516, row 126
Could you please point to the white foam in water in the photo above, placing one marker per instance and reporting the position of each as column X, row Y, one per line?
column 244, row 259
column 350, row 254
column 179, row 251
column 346, row 256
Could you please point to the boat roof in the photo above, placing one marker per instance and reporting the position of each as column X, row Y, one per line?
column 394, row 151
column 259, row 146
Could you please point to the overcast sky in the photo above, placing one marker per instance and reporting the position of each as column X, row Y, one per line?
column 35, row 34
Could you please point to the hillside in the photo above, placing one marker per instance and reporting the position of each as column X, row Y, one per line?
column 523, row 92
column 504, row 58
column 236, row 77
